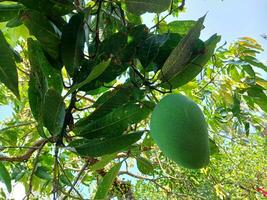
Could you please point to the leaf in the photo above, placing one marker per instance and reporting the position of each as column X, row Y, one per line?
column 36, row 92
column 43, row 30
column 53, row 112
column 254, row 62
column 114, row 123
column 122, row 54
column 144, row 165
column 99, row 147
column 50, row 7
column 107, row 182
column 8, row 68
column 96, row 71
column 14, row 22
column 139, row 7
column 214, row 149
column 165, row 50
column 194, row 67
column 72, row 43
column 5, row 177
column 181, row 27
column 259, row 97
column 40, row 63
column 111, row 100
column 103, row 162
column 150, row 48
column 43, row 173
column 181, row 55
column 9, row 11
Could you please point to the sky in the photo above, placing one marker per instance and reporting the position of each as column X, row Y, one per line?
column 229, row 18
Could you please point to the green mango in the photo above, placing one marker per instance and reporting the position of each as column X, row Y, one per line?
column 179, row 129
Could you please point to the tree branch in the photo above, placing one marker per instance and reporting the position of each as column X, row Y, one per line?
column 17, row 125
column 37, row 145
column 33, row 171
column 76, row 180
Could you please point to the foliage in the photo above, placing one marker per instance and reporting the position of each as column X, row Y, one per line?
column 82, row 78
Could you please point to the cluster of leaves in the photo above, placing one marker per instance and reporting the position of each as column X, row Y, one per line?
column 87, row 75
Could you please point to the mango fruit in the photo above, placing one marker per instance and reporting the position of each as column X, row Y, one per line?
column 179, row 129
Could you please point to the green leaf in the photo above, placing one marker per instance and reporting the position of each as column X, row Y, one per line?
column 50, row 7
column 8, row 68
column 43, row 30
column 166, row 49
column 5, row 177
column 181, row 27
column 103, row 162
column 40, row 63
column 257, row 93
column 194, row 67
column 214, row 149
column 99, row 147
column 144, row 165
column 181, row 55
column 150, row 48
column 42, row 76
column 14, row 22
column 139, row 7
column 53, row 112
column 111, row 100
column 9, row 11
column 105, row 185
column 96, row 72
column 254, row 62
column 36, row 91
column 43, row 173
column 72, row 43
column 114, row 123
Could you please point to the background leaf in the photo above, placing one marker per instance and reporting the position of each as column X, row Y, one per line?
column 5, row 177
column 100, row 147
column 72, row 43
column 52, row 7
column 9, row 11
column 106, row 183
column 43, row 30
column 181, row 55
column 195, row 66
column 144, row 165
column 115, row 122
column 8, row 68
column 139, row 7
column 111, row 100
column 53, row 112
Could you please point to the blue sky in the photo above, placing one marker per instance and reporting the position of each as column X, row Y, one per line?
column 231, row 18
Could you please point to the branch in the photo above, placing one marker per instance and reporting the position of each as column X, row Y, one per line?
column 64, row 173
column 37, row 145
column 33, row 171
column 55, row 172
column 76, row 180
column 144, row 178
column 181, row 7
column 17, row 125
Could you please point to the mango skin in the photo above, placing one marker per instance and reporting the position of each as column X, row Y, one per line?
column 179, row 128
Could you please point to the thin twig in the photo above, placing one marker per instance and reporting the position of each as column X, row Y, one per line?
column 181, row 7
column 145, row 178
column 17, row 125
column 33, row 171
column 64, row 173
column 26, row 155
column 55, row 172
column 77, row 179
